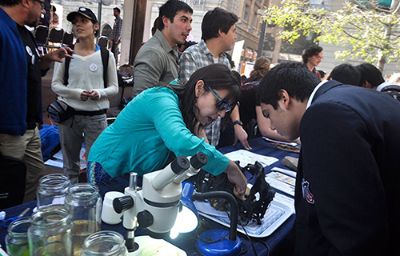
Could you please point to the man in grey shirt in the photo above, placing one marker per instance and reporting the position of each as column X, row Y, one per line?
column 157, row 60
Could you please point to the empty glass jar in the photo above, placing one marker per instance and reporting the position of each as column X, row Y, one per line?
column 52, row 190
column 50, row 232
column 84, row 204
column 104, row 243
column 17, row 237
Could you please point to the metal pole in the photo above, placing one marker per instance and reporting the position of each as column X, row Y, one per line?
column 262, row 38
column 100, row 6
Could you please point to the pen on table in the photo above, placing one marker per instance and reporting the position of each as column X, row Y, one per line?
column 24, row 212
column 4, row 223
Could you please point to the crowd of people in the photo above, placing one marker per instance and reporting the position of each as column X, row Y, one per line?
column 190, row 100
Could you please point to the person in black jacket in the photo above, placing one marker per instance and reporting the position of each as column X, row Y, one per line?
column 347, row 186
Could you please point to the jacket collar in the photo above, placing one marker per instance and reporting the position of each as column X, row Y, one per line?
column 324, row 88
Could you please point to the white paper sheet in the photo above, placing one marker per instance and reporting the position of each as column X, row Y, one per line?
column 281, row 182
column 246, row 157
column 57, row 160
column 285, row 171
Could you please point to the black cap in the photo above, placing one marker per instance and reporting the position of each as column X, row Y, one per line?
column 83, row 11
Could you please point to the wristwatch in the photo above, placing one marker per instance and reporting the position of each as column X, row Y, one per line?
column 237, row 122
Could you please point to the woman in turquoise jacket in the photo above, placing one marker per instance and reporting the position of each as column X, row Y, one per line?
column 161, row 123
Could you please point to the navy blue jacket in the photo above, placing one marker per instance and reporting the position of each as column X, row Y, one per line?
column 13, row 78
column 348, row 183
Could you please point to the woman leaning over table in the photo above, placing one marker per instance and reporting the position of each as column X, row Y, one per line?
column 85, row 91
column 160, row 124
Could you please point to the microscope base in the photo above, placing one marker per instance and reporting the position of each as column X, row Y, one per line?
column 149, row 246
column 215, row 242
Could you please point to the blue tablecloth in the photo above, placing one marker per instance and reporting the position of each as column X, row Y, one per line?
column 264, row 246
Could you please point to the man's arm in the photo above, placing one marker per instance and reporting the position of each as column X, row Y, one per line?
column 240, row 133
column 343, row 176
column 57, row 55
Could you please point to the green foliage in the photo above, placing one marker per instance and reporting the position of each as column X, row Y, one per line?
column 362, row 31
column 297, row 17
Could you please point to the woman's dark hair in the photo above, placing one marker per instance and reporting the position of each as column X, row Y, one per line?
column 215, row 76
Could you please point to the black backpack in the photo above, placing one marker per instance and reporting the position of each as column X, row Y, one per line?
column 105, row 54
column 392, row 90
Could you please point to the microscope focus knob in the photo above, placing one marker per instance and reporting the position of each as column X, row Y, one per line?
column 145, row 219
column 124, row 203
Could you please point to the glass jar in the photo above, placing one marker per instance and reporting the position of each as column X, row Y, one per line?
column 17, row 237
column 84, row 204
column 50, row 232
column 52, row 190
column 104, row 243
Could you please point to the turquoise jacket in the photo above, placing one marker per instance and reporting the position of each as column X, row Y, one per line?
column 146, row 132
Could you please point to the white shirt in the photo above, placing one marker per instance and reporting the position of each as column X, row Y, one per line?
column 85, row 74
column 310, row 99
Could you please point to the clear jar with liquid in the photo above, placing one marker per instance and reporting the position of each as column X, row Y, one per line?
column 84, row 204
column 50, row 232
column 17, row 237
column 104, row 243
column 52, row 189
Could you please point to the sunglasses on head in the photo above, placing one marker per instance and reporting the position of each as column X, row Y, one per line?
column 222, row 104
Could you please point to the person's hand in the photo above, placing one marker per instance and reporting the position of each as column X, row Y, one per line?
column 59, row 54
column 85, row 95
column 94, row 95
column 241, row 135
column 238, row 179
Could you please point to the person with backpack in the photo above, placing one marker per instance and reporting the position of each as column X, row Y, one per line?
column 84, row 83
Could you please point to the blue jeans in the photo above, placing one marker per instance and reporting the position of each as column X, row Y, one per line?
column 96, row 175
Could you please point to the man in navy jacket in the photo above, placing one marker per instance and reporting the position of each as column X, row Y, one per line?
column 20, row 86
column 348, row 182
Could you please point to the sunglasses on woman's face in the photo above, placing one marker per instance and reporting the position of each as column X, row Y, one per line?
column 222, row 104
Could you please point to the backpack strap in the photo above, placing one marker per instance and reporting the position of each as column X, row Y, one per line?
column 66, row 71
column 105, row 55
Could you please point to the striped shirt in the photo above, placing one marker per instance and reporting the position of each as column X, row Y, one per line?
column 193, row 58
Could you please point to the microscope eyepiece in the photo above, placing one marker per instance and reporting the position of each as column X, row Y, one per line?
column 199, row 160
column 180, row 164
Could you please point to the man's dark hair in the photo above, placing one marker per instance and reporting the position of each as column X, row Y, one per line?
column 311, row 51
column 215, row 21
column 293, row 77
column 117, row 9
column 346, row 73
column 370, row 74
column 169, row 10
column 9, row 2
